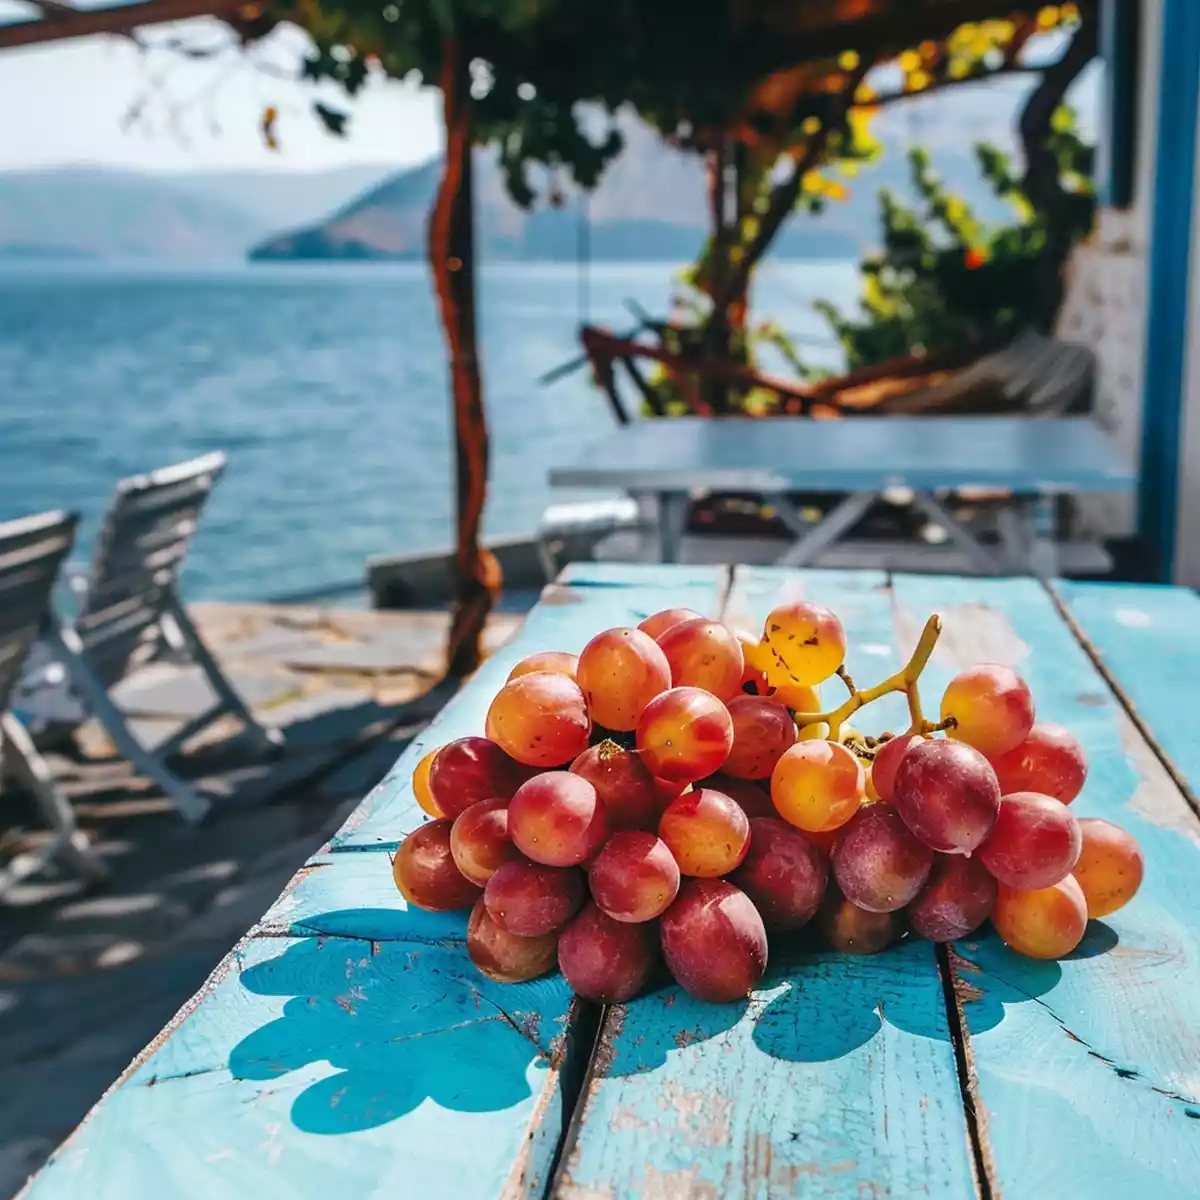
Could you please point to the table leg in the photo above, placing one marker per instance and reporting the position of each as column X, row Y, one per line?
column 672, row 518
column 838, row 522
column 981, row 557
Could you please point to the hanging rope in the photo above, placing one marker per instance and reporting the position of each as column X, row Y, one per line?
column 583, row 258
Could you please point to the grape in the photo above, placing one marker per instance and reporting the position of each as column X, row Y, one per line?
column 424, row 870
column 621, row 671
column 887, row 762
column 1042, row 923
column 629, row 793
column 635, row 877
column 762, row 730
column 529, row 899
column 541, row 720
column 817, row 786
column 684, row 734
column 557, row 819
column 471, row 769
column 605, row 960
column 714, row 941
column 947, row 794
column 1110, row 866
column 753, row 680
column 991, row 707
column 753, row 799
column 854, row 930
column 878, row 863
column 479, row 840
column 504, row 956
column 800, row 700
column 556, row 662
column 825, row 840
column 817, row 732
column 420, row 784
column 704, row 654
column 706, row 831
column 660, row 622
column 1049, row 761
column 783, row 874
column 1034, row 842
column 802, row 645
column 957, row 899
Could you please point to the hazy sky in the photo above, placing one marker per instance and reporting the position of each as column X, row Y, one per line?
column 72, row 99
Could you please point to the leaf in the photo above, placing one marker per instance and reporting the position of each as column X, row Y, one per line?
column 334, row 121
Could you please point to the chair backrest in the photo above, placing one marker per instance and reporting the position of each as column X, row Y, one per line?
column 139, row 553
column 31, row 551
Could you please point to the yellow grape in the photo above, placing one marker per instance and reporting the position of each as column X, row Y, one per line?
column 557, row 662
column 991, row 707
column 817, row 786
column 420, row 784
column 802, row 644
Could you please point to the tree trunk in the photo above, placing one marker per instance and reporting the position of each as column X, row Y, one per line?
column 451, row 257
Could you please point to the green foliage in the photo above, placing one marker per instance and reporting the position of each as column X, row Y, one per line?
column 943, row 277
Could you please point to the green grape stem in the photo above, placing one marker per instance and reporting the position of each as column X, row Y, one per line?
column 905, row 680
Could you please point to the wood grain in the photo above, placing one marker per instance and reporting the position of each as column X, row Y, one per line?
column 1088, row 1070
column 838, row 1076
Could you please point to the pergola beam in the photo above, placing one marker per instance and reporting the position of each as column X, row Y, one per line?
column 61, row 21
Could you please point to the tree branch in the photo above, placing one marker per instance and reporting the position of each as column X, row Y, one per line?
column 116, row 19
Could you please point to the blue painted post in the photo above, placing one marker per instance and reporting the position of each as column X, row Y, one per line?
column 1170, row 260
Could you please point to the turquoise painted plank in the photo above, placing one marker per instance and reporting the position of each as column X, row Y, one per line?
column 329, row 1067
column 590, row 597
column 1149, row 640
column 837, row 1078
column 1088, row 1070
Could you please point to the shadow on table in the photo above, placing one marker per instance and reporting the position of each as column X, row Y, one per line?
column 399, row 1022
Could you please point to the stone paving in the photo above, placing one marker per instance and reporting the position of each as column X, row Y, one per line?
column 87, row 979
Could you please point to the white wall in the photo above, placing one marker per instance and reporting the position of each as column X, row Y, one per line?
column 1105, row 305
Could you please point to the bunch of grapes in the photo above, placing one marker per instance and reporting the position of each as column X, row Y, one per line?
column 674, row 794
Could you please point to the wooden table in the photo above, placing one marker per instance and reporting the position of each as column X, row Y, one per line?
column 862, row 458
column 347, row 1048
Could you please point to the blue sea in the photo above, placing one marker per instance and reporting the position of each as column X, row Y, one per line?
column 327, row 386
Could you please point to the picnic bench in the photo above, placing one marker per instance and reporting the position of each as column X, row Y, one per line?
column 347, row 1047
column 1030, row 460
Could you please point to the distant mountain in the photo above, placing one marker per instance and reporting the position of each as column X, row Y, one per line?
column 97, row 212
column 650, row 205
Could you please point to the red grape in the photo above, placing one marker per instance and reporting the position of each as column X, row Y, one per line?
column 1034, row 842
column 957, row 899
column 878, row 863
column 506, row 957
column 620, row 672
column 425, row 873
column 714, row 941
column 802, row 645
column 1049, row 761
column 762, row 730
column 541, row 720
column 605, row 960
column 684, row 734
column 469, row 770
column 854, row 930
column 635, row 877
column 783, row 873
column 556, row 662
column 947, row 794
column 658, row 624
column 557, row 819
column 992, row 708
column 529, row 899
column 704, row 654
column 479, row 840
column 420, row 784
column 1110, row 866
column 706, row 831
column 1042, row 923
column 817, row 786
column 753, row 799
column 628, row 791
column 753, row 680
column 887, row 763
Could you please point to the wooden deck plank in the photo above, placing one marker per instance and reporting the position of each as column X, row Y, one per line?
column 372, row 1024
column 589, row 598
column 1088, row 1070
column 837, row 1078
column 1146, row 637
